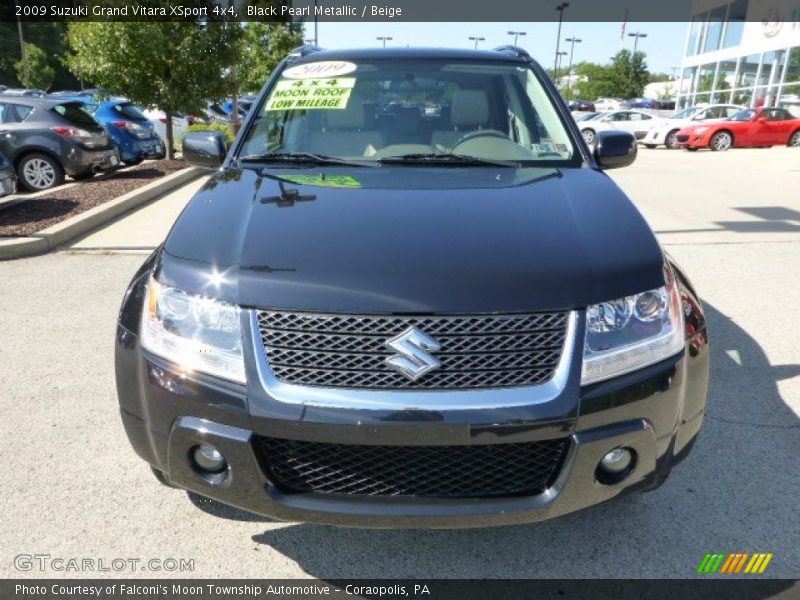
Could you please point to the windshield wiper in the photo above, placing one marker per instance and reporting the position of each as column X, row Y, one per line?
column 453, row 159
column 307, row 158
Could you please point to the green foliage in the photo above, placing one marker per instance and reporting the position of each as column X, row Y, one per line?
column 214, row 126
column 261, row 47
column 175, row 66
column 625, row 77
column 49, row 36
column 34, row 71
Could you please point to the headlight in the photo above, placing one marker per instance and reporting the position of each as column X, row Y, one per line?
column 632, row 332
column 195, row 332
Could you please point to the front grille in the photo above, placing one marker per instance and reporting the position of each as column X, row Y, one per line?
column 522, row 469
column 682, row 138
column 477, row 351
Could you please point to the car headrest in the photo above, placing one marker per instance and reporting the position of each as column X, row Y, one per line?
column 469, row 107
column 351, row 117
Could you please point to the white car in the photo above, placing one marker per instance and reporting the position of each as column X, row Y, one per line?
column 637, row 122
column 664, row 133
column 610, row 104
column 159, row 120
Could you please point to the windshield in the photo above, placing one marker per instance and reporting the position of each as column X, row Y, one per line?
column 130, row 111
column 743, row 115
column 686, row 113
column 378, row 109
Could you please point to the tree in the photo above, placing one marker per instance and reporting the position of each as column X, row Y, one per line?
column 49, row 36
column 628, row 73
column 593, row 81
column 175, row 66
column 262, row 46
column 33, row 70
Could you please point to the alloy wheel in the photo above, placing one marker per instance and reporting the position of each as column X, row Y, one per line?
column 671, row 142
column 721, row 141
column 794, row 141
column 588, row 136
column 39, row 173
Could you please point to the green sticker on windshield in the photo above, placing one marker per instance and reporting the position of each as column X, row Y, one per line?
column 331, row 93
column 335, row 181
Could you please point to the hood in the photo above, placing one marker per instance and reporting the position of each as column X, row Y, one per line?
column 365, row 240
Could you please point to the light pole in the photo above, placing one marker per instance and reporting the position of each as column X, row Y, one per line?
column 560, row 8
column 558, row 60
column 572, row 41
column 636, row 35
column 476, row 40
column 384, row 39
column 516, row 34
column 316, row 35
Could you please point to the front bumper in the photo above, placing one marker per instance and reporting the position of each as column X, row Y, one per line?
column 656, row 411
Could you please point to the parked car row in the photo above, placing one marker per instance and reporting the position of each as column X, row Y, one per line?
column 717, row 126
column 750, row 127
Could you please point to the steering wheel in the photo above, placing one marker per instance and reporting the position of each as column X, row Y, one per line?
column 481, row 133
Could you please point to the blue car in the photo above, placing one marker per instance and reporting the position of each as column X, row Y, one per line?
column 131, row 132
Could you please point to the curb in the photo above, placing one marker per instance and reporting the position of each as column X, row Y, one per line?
column 48, row 239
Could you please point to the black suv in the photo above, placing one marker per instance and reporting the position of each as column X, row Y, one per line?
column 45, row 139
column 376, row 313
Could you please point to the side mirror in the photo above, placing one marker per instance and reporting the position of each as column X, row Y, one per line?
column 614, row 149
column 205, row 149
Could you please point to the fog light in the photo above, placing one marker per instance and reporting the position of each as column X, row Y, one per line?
column 617, row 461
column 207, row 458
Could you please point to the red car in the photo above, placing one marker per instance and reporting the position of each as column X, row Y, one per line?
column 751, row 127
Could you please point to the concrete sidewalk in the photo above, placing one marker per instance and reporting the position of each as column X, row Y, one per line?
column 140, row 231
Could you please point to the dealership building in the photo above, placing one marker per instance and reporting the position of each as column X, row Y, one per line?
column 742, row 52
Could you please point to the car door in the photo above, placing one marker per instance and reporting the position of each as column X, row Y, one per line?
column 639, row 124
column 777, row 126
column 11, row 117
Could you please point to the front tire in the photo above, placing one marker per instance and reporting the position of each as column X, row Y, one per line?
column 38, row 172
column 588, row 136
column 794, row 140
column 671, row 141
column 721, row 141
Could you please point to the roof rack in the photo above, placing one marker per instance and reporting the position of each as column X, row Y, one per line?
column 305, row 50
column 513, row 50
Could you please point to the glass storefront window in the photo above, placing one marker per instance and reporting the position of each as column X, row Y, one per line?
column 793, row 70
column 737, row 14
column 742, row 97
column 705, row 78
column 748, row 69
column 695, row 34
column 772, row 68
column 687, row 80
column 702, row 98
column 727, row 74
column 714, row 29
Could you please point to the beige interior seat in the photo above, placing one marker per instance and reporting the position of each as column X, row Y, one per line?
column 344, row 133
column 469, row 111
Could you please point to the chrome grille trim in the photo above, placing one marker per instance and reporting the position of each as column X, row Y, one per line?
column 415, row 398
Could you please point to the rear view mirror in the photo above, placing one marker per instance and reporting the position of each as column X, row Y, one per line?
column 205, row 149
column 615, row 149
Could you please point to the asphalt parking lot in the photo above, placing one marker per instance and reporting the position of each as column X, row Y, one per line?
column 74, row 488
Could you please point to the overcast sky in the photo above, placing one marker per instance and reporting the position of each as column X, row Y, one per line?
column 663, row 44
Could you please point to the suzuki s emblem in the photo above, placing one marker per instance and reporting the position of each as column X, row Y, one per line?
column 413, row 358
